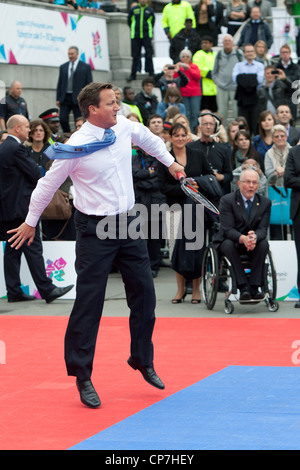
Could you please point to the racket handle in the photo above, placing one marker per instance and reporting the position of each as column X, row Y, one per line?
column 180, row 176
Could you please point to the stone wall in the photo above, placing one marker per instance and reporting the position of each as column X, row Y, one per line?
column 39, row 83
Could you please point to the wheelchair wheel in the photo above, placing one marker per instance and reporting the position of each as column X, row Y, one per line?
column 273, row 306
column 229, row 307
column 270, row 277
column 210, row 277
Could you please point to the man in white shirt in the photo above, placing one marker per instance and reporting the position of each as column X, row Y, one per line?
column 248, row 75
column 103, row 187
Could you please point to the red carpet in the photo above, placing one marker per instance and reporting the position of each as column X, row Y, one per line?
column 39, row 404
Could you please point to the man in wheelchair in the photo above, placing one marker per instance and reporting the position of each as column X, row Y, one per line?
column 244, row 222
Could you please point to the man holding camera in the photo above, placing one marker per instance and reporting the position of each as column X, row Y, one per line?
column 275, row 90
column 165, row 79
column 291, row 72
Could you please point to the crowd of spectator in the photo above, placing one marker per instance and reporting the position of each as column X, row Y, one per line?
column 235, row 106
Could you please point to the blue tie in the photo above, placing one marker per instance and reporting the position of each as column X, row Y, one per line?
column 249, row 205
column 65, row 151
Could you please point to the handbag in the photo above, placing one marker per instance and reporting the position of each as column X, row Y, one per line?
column 210, row 186
column 281, row 201
column 59, row 208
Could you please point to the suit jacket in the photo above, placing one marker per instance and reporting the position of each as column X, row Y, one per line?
column 82, row 77
column 294, row 136
column 18, row 177
column 234, row 220
column 246, row 89
column 196, row 165
column 219, row 158
column 292, row 178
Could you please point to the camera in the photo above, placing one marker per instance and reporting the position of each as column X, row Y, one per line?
column 274, row 72
column 171, row 67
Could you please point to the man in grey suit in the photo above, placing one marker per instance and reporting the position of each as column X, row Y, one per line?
column 244, row 222
column 73, row 76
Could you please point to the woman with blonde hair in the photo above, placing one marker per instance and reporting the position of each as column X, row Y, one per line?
column 275, row 158
column 182, row 119
column 261, row 51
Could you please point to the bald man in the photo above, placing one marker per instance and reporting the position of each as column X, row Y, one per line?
column 12, row 104
column 18, row 177
column 244, row 222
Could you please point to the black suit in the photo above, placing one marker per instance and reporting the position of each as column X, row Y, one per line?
column 292, row 180
column 18, row 177
column 292, row 72
column 294, row 136
column 68, row 101
column 234, row 222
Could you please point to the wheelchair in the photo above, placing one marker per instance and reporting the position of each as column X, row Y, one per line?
column 218, row 271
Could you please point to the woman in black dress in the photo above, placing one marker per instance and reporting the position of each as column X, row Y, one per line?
column 186, row 263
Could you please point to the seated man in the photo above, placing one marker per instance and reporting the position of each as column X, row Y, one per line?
column 244, row 222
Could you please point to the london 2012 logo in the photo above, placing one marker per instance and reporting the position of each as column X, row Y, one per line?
column 96, row 44
column 55, row 269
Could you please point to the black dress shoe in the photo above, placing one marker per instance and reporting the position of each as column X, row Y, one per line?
column 58, row 292
column 88, row 395
column 130, row 78
column 255, row 294
column 258, row 295
column 148, row 373
column 21, row 298
column 245, row 295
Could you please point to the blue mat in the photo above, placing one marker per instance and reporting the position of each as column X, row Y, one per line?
column 238, row 408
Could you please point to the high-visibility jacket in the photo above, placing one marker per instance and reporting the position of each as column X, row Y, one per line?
column 141, row 22
column 205, row 62
column 174, row 16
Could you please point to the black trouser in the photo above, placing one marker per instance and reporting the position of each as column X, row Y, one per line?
column 233, row 252
column 65, row 108
column 251, row 114
column 296, row 232
column 94, row 259
column 35, row 261
column 136, row 47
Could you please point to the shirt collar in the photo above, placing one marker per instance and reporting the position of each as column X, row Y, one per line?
column 245, row 199
column 75, row 63
column 98, row 132
column 15, row 137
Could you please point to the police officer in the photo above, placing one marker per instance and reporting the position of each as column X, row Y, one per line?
column 51, row 118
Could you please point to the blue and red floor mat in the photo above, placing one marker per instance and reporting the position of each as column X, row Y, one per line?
column 231, row 383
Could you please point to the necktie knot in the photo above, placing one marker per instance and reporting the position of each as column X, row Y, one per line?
column 249, row 205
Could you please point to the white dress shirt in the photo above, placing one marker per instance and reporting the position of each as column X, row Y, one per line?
column 244, row 67
column 75, row 63
column 102, row 181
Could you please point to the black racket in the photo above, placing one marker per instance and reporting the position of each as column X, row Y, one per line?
column 192, row 192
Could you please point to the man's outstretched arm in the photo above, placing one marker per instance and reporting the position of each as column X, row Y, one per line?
column 21, row 234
